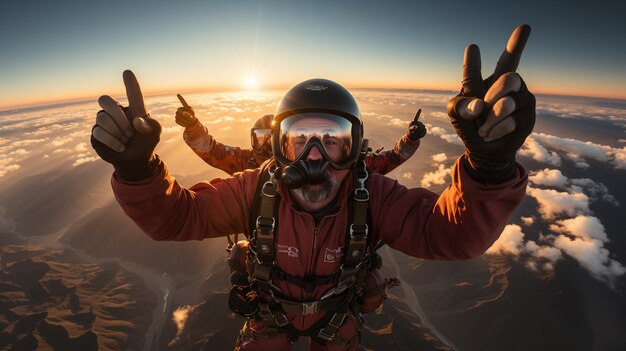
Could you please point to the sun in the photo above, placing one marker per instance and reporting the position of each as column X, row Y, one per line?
column 251, row 82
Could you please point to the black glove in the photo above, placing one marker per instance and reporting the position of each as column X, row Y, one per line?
column 137, row 161
column 417, row 129
column 185, row 116
column 494, row 161
column 491, row 157
column 126, row 136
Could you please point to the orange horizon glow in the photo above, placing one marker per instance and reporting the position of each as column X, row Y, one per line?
column 248, row 85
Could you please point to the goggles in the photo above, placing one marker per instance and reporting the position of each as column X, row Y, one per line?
column 333, row 135
column 261, row 140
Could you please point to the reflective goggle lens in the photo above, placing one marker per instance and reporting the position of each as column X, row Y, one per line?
column 261, row 139
column 333, row 132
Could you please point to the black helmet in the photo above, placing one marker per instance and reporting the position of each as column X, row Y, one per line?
column 263, row 122
column 320, row 99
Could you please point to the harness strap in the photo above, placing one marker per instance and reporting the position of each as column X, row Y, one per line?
column 308, row 283
column 356, row 253
column 329, row 304
column 329, row 332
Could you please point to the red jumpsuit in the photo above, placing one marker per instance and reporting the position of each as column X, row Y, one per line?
column 459, row 224
column 234, row 159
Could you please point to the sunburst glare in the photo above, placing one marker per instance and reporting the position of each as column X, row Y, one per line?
column 251, row 82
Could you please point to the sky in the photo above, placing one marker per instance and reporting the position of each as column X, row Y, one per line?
column 66, row 50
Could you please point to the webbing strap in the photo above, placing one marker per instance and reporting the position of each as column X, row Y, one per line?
column 308, row 283
column 263, row 246
column 358, row 232
column 329, row 332
column 330, row 304
column 265, row 224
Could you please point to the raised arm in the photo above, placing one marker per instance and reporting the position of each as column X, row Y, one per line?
column 226, row 158
column 493, row 117
column 384, row 162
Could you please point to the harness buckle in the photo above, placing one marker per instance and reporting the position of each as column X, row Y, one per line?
column 270, row 184
column 281, row 320
column 325, row 336
column 309, row 307
column 259, row 224
column 364, row 196
column 360, row 232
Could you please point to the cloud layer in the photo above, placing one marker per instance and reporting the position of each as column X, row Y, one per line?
column 573, row 230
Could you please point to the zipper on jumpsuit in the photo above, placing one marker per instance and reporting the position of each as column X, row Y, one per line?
column 310, row 266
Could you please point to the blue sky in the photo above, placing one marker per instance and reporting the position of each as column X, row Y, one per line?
column 78, row 49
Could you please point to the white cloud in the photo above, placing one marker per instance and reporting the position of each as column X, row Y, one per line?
column 548, row 177
column 7, row 168
column 62, row 151
column 528, row 220
column 61, row 141
column 436, row 177
column 27, row 142
column 439, row 115
column 439, row 157
column 549, row 253
column 219, row 120
column 585, row 149
column 19, row 152
column 591, row 255
column 552, row 202
column 407, row 175
column 537, row 152
column 584, row 227
column 581, row 110
column 81, row 147
column 620, row 158
column 398, row 122
column 575, row 150
column 174, row 129
column 510, row 241
column 595, row 190
column 82, row 160
column 436, row 130
column 554, row 178
column 452, row 139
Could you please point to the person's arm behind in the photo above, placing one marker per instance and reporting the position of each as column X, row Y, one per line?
column 226, row 158
column 384, row 162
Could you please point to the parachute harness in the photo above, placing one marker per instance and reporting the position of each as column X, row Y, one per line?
column 350, row 277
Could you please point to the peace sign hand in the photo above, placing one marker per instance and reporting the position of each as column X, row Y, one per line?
column 126, row 136
column 494, row 116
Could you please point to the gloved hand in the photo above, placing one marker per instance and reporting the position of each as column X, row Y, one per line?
column 126, row 136
column 494, row 116
column 417, row 129
column 185, row 116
